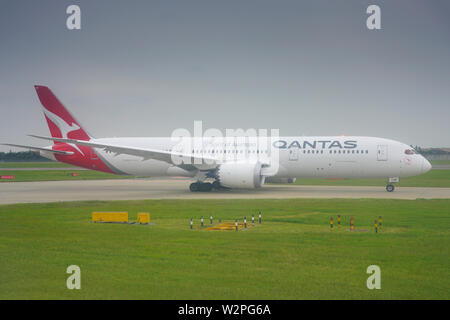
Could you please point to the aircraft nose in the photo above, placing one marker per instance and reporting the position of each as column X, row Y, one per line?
column 426, row 165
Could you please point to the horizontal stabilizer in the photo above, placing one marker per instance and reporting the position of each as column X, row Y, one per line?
column 67, row 153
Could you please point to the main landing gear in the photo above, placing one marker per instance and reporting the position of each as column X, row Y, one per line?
column 205, row 186
column 201, row 186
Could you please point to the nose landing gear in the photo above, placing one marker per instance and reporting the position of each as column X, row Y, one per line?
column 390, row 188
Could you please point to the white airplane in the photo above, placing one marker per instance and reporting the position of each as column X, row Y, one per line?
column 223, row 163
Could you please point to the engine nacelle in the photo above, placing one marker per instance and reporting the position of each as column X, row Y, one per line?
column 240, row 175
column 280, row 180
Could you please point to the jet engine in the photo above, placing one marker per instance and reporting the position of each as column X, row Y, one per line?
column 240, row 175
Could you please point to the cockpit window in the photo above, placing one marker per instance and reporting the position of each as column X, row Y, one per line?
column 410, row 151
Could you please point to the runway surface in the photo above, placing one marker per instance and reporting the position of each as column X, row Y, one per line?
column 441, row 167
column 133, row 189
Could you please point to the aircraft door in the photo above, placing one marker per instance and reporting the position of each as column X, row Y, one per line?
column 382, row 153
column 293, row 154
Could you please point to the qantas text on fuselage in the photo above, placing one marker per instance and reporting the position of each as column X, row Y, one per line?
column 324, row 144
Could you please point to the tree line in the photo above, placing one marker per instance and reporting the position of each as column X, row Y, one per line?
column 430, row 151
column 21, row 156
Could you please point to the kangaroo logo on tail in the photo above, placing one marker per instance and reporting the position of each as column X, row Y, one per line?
column 61, row 124
column 63, row 127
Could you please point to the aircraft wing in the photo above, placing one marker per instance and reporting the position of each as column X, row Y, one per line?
column 68, row 153
column 185, row 161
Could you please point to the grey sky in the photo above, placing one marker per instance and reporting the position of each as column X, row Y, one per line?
column 145, row 68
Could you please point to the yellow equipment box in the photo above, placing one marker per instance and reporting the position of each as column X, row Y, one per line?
column 143, row 217
column 109, row 216
column 229, row 226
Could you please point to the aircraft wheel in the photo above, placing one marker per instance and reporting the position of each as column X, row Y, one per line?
column 206, row 187
column 194, row 187
column 199, row 186
column 390, row 188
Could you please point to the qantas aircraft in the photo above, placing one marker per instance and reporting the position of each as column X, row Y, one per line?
column 222, row 163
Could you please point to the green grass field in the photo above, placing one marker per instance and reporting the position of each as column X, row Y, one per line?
column 433, row 178
column 291, row 255
column 440, row 162
column 58, row 175
column 52, row 164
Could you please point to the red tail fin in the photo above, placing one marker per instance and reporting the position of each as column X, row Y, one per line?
column 60, row 122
